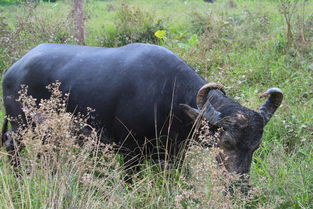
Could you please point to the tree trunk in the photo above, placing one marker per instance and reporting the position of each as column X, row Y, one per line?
column 79, row 19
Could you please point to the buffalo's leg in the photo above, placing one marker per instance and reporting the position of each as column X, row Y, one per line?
column 131, row 166
column 13, row 147
column 11, row 144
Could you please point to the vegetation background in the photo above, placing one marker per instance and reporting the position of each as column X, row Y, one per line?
column 247, row 45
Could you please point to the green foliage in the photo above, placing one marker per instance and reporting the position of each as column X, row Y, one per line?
column 9, row 1
column 33, row 25
column 132, row 24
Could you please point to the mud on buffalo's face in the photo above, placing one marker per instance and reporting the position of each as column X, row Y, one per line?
column 241, row 129
column 240, row 136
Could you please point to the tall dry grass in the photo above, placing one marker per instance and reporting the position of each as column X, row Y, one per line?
column 62, row 163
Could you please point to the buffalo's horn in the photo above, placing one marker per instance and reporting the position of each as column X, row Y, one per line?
column 274, row 99
column 203, row 92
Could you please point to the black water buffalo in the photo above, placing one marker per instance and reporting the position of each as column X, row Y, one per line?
column 140, row 92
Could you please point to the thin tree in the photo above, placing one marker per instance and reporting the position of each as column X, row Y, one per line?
column 288, row 9
column 79, row 20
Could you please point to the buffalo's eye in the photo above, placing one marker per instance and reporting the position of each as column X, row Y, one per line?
column 226, row 141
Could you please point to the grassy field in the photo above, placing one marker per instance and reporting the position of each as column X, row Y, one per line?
column 241, row 44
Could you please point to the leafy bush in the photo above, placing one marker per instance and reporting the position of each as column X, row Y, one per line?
column 215, row 37
column 132, row 24
column 5, row 45
column 304, row 36
column 202, row 22
column 33, row 26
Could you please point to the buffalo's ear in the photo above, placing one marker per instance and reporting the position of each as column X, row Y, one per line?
column 191, row 112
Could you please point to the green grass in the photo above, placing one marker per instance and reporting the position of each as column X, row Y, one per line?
column 245, row 48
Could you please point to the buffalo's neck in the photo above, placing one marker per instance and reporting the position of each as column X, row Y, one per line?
column 188, row 84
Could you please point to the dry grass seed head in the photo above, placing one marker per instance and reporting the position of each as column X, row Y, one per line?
column 206, row 182
column 53, row 141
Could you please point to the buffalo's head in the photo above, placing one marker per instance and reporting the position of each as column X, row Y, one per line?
column 241, row 128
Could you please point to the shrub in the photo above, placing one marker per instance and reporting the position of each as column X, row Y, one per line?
column 33, row 26
column 215, row 37
column 299, row 33
column 202, row 22
column 304, row 36
column 131, row 25
column 5, row 45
